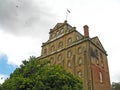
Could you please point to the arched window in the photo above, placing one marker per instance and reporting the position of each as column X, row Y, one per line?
column 59, row 57
column 52, row 48
column 101, row 59
column 69, row 64
column 80, row 74
column 69, row 54
column 57, row 33
column 100, row 77
column 45, row 51
column 61, row 31
column 52, row 60
column 77, row 37
column 96, row 54
column 53, row 35
column 80, row 61
column 69, row 40
column 60, row 44
column 79, row 50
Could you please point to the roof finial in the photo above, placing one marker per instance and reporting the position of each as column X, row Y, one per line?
column 65, row 21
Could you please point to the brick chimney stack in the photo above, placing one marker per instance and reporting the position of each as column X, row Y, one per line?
column 86, row 31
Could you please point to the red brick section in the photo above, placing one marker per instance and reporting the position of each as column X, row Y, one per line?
column 86, row 31
column 96, row 79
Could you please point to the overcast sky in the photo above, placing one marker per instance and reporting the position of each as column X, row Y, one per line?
column 25, row 24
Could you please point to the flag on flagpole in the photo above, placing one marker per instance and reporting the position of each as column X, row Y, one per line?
column 68, row 10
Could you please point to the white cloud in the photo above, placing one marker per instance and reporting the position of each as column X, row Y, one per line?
column 2, row 78
column 18, row 48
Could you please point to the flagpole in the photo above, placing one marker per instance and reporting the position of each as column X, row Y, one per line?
column 68, row 11
column 66, row 15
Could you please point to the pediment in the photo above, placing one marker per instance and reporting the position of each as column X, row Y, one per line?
column 97, row 42
column 57, row 25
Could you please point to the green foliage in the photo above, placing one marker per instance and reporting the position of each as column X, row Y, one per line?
column 40, row 75
column 0, row 87
column 116, row 86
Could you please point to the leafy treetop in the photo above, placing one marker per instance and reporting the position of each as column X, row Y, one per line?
column 36, row 74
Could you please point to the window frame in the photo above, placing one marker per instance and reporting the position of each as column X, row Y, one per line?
column 69, row 53
column 69, row 40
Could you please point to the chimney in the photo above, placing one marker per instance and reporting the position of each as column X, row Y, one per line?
column 86, row 31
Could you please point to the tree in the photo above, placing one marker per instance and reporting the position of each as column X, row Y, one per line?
column 116, row 86
column 40, row 75
column 0, row 87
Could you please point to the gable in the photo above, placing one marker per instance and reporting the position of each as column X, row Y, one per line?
column 57, row 26
column 97, row 42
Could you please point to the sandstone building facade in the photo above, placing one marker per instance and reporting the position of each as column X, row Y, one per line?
column 79, row 54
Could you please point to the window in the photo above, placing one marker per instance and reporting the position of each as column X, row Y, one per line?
column 101, row 56
column 69, row 64
column 80, row 61
column 100, row 77
column 69, row 53
column 101, row 59
column 98, row 43
column 96, row 54
column 53, row 35
column 69, row 40
column 61, row 31
column 92, row 53
column 79, row 50
column 97, row 61
column 45, row 51
column 59, row 57
column 80, row 74
column 60, row 44
column 77, row 37
column 52, row 60
column 57, row 33
column 52, row 48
